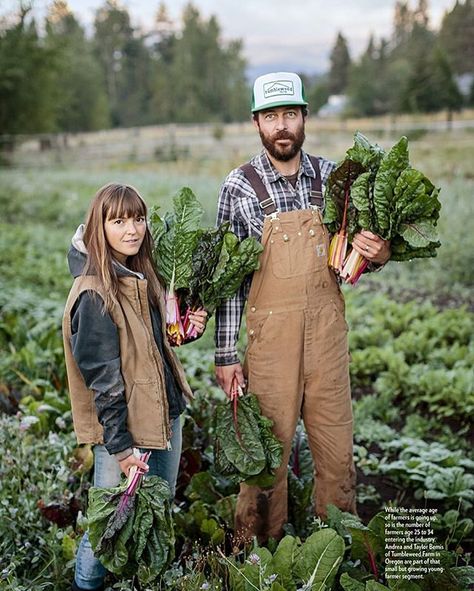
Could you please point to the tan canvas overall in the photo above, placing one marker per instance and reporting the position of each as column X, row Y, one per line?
column 297, row 364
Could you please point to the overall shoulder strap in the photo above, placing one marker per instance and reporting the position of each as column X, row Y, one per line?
column 266, row 202
column 316, row 197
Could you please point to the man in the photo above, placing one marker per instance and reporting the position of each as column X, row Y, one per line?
column 297, row 356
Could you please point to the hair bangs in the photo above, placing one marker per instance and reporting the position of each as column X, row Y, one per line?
column 123, row 201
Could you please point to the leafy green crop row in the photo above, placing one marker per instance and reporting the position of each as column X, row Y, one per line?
column 411, row 377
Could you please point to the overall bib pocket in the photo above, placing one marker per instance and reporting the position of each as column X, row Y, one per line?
column 297, row 251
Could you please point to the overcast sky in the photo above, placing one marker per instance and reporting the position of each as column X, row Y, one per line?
column 285, row 34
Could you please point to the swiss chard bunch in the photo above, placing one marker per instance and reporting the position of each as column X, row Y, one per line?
column 245, row 447
column 202, row 267
column 379, row 191
column 130, row 527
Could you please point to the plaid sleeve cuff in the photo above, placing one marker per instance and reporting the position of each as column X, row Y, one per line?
column 375, row 267
column 226, row 356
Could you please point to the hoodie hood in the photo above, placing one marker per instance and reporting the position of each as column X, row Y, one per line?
column 77, row 258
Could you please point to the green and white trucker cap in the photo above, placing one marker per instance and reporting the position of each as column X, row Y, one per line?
column 276, row 90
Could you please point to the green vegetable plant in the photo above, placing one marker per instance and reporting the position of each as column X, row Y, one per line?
column 200, row 267
column 130, row 526
column 311, row 565
column 245, row 447
column 378, row 191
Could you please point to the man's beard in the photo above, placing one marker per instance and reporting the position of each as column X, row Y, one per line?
column 285, row 153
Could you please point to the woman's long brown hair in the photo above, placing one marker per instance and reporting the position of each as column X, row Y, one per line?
column 112, row 201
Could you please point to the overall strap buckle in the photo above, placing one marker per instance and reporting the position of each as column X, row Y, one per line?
column 317, row 200
column 266, row 202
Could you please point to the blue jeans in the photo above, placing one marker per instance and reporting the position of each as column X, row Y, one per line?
column 90, row 573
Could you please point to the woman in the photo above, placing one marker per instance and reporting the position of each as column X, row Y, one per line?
column 126, row 384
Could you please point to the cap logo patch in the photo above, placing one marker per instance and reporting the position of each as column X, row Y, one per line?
column 278, row 88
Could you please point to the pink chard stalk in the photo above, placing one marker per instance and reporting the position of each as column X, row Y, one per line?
column 349, row 267
column 174, row 326
column 190, row 331
column 179, row 329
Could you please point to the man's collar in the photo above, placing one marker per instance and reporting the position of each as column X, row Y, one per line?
column 263, row 163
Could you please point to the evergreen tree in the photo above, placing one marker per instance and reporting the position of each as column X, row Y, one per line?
column 362, row 82
column 80, row 100
column 340, row 64
column 420, row 15
column 447, row 92
column 135, row 87
column 27, row 78
column 162, row 102
column 457, row 37
column 206, row 78
column 403, row 22
column 318, row 94
column 112, row 34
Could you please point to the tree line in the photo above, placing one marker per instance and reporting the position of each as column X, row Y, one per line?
column 55, row 77
column 417, row 69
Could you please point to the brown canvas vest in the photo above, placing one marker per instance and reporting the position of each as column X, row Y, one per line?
column 141, row 367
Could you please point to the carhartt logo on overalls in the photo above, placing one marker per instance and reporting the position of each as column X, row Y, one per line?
column 280, row 87
column 320, row 250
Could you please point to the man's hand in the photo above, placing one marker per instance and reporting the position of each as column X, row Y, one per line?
column 225, row 375
column 372, row 247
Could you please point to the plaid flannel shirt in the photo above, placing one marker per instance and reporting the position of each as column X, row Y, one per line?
column 238, row 204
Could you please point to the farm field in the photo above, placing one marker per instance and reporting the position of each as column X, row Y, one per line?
column 412, row 351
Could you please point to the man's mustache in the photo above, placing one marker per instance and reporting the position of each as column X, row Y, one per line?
column 283, row 135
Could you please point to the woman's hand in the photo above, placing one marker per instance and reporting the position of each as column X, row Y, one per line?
column 372, row 247
column 198, row 319
column 132, row 460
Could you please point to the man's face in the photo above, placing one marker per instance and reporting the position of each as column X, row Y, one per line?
column 281, row 131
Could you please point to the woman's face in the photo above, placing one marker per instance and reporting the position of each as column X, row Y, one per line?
column 125, row 236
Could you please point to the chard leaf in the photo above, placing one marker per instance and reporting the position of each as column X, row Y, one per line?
column 365, row 540
column 338, row 183
column 256, row 453
column 142, row 526
column 365, row 153
column 416, row 198
column 176, row 237
column 318, row 560
column 350, row 584
column 101, row 515
column 204, row 261
column 391, row 166
column 271, row 445
column 282, row 562
column 236, row 261
column 204, row 266
column 331, row 215
column 419, row 234
column 245, row 451
column 402, row 251
column 362, row 201
column 375, row 586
